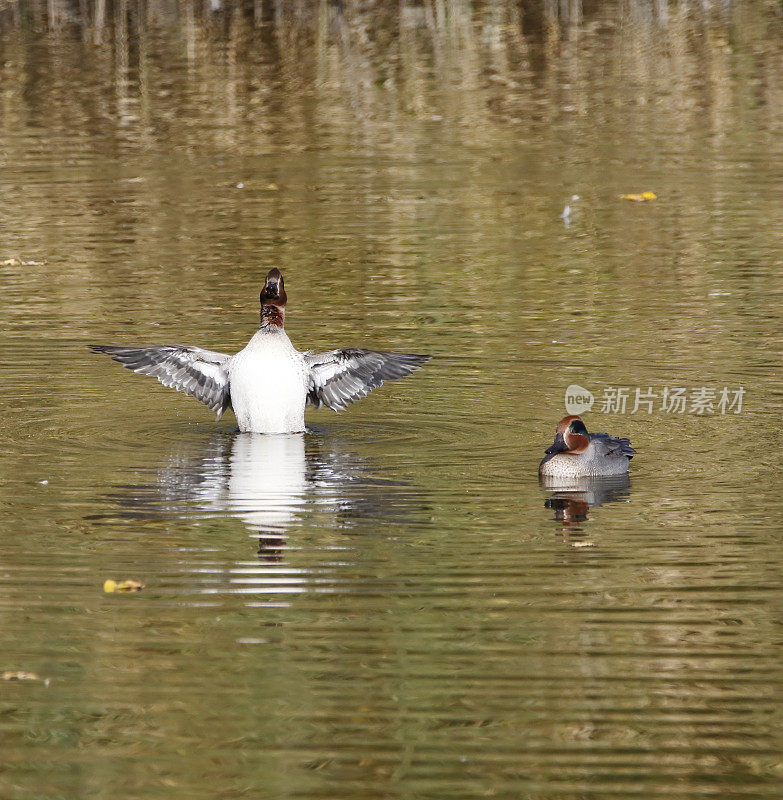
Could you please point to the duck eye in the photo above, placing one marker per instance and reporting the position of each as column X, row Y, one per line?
column 577, row 426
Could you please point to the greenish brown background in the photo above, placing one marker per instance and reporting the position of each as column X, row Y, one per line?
column 391, row 606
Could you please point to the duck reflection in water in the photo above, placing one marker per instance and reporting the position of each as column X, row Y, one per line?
column 572, row 498
column 272, row 482
column 267, row 485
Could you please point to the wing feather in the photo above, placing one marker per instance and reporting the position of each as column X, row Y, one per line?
column 340, row 377
column 614, row 446
column 196, row 372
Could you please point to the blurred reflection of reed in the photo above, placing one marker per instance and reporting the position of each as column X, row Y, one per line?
column 268, row 76
column 444, row 100
column 377, row 66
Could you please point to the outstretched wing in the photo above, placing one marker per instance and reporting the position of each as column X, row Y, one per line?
column 199, row 373
column 341, row 376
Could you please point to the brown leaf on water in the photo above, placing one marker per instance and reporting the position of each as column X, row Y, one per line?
column 639, row 198
column 122, row 586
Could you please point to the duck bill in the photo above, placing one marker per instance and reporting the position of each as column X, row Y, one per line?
column 558, row 446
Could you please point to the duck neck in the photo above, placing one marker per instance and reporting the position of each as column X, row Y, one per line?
column 272, row 316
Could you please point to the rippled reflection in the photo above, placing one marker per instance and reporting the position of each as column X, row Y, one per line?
column 572, row 499
column 261, row 481
column 271, row 483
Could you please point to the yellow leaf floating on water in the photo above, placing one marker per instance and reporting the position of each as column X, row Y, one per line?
column 639, row 198
column 20, row 676
column 122, row 586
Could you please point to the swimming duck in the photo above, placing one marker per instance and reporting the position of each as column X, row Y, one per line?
column 576, row 453
column 268, row 383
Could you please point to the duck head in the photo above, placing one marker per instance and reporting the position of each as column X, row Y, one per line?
column 273, row 300
column 571, row 437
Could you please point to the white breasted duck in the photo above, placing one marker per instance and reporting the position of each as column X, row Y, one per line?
column 268, row 383
column 576, row 453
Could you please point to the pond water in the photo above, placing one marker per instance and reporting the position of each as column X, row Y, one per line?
column 391, row 605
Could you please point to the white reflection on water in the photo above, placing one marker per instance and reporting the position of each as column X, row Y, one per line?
column 273, row 484
column 263, row 481
column 304, row 497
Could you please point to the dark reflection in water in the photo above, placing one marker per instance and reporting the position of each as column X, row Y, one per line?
column 571, row 500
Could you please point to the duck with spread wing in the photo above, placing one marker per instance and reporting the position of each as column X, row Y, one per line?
column 268, row 383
